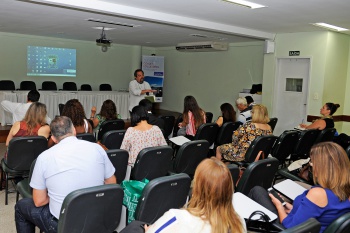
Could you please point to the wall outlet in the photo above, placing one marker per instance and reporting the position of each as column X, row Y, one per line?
column 315, row 96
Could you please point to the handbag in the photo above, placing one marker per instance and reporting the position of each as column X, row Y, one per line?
column 242, row 168
column 306, row 172
column 263, row 223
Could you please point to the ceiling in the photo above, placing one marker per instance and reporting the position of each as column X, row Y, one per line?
column 169, row 22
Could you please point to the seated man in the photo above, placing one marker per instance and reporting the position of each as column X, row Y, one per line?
column 70, row 165
column 245, row 113
column 152, row 119
column 19, row 110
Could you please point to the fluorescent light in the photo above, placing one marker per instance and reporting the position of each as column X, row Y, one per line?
column 251, row 5
column 329, row 26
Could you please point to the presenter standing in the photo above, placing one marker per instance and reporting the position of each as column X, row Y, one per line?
column 138, row 89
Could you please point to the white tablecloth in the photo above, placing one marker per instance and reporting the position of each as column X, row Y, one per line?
column 53, row 98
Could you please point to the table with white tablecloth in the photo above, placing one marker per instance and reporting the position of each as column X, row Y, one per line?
column 53, row 98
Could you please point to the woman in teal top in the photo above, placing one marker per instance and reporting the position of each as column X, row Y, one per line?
column 108, row 112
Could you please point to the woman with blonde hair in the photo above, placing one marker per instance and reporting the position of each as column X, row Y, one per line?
column 245, row 134
column 210, row 209
column 327, row 200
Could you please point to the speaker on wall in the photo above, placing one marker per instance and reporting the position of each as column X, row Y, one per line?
column 269, row 46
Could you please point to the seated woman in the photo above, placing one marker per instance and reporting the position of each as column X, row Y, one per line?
column 193, row 117
column 108, row 112
column 141, row 135
column 228, row 114
column 245, row 134
column 75, row 111
column 210, row 208
column 326, row 201
column 33, row 123
column 326, row 121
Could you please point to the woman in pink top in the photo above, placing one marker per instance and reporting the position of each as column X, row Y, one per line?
column 141, row 135
column 193, row 117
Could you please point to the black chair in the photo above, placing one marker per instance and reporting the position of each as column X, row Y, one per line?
column 273, row 122
column 234, row 170
column 105, row 87
column 259, row 173
column 152, row 162
column 207, row 131
column 189, row 156
column 208, row 117
column 168, row 125
column 343, row 140
column 7, row 85
column 179, row 119
column 309, row 226
column 60, row 108
column 348, row 151
column 326, row 135
column 49, row 86
column 225, row 132
column 87, row 137
column 69, row 86
column 91, row 210
column 21, row 152
column 262, row 143
column 340, row 225
column 117, row 124
column 285, row 145
column 119, row 159
column 27, row 86
column 85, row 87
column 162, row 194
column 307, row 139
column 113, row 139
column 23, row 188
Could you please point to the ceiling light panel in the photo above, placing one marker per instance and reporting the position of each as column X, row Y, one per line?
column 112, row 23
column 330, row 26
column 248, row 4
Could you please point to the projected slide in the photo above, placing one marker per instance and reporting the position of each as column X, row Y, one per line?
column 49, row 61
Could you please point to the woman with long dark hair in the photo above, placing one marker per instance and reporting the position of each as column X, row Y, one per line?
column 228, row 114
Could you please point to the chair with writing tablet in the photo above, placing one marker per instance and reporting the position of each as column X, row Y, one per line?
column 309, row 226
column 340, row 225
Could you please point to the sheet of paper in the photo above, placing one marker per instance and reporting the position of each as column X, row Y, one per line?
column 289, row 188
column 245, row 206
column 179, row 140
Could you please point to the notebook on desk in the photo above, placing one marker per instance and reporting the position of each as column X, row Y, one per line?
column 289, row 189
column 179, row 140
column 245, row 206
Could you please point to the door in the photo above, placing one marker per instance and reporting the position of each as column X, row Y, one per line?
column 291, row 93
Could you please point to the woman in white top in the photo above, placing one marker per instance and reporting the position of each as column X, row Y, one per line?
column 141, row 135
column 210, row 209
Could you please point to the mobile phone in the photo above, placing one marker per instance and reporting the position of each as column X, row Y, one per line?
column 275, row 194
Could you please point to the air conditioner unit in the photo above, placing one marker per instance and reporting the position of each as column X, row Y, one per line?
column 207, row 46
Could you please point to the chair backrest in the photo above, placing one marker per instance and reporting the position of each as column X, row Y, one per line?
column 162, row 194
column 234, row 170
column 60, row 108
column 262, row 143
column 152, row 162
column 22, row 151
column 70, row 86
column 285, row 145
column 85, row 87
column 225, row 132
column 27, row 85
column 259, row 173
column 307, row 139
column 87, row 137
column 7, row 85
column 309, row 226
column 348, row 151
column 273, row 122
column 326, row 135
column 49, row 86
column 119, row 159
column 190, row 155
column 117, row 124
column 91, row 210
column 105, row 87
column 340, row 225
column 113, row 139
column 207, row 131
column 209, row 117
column 168, row 125
column 176, row 127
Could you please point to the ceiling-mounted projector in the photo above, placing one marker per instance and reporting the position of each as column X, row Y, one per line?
column 103, row 40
